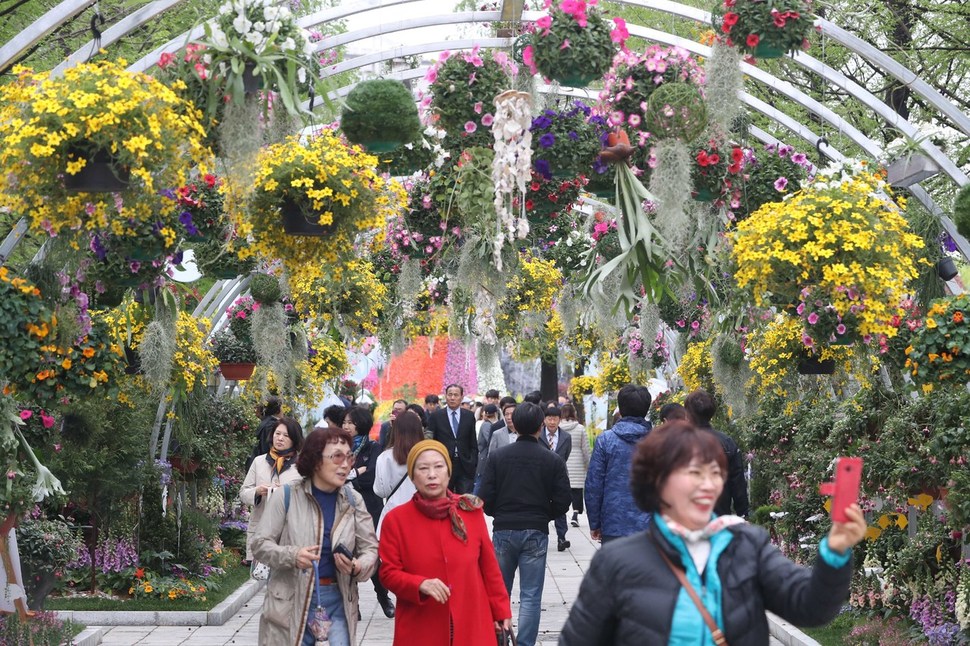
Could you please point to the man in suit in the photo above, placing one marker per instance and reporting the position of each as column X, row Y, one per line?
column 561, row 444
column 454, row 427
column 398, row 408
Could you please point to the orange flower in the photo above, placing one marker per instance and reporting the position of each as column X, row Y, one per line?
column 88, row 352
column 66, row 364
column 139, row 572
column 958, row 317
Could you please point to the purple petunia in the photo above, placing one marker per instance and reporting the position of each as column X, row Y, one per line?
column 547, row 140
column 543, row 168
column 186, row 219
column 781, row 183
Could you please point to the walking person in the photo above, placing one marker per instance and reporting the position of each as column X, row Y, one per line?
column 489, row 417
column 366, row 452
column 734, row 499
column 561, row 443
column 524, row 487
column 578, row 460
column 387, row 428
column 610, row 507
column 391, row 480
column 454, row 427
column 269, row 472
column 304, row 538
column 448, row 584
column 270, row 414
column 692, row 576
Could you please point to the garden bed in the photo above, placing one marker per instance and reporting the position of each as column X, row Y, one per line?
column 227, row 584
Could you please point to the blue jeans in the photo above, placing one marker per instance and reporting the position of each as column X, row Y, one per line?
column 524, row 549
column 334, row 603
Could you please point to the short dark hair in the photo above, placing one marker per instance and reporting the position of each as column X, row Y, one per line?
column 408, row 431
column 312, row 453
column 361, row 418
column 508, row 405
column 672, row 411
column 533, row 398
column 400, row 401
column 272, row 406
column 294, row 430
column 528, row 418
column 666, row 448
column 335, row 414
column 458, row 386
column 432, row 399
column 568, row 411
column 701, row 407
column 491, row 393
column 553, row 411
column 420, row 412
column 508, row 399
column 633, row 401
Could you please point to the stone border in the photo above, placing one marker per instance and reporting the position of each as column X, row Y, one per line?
column 786, row 633
column 215, row 617
column 90, row 636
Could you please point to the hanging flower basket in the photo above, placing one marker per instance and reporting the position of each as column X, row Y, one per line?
column 765, row 29
column 380, row 115
column 573, row 48
column 237, row 371
column 766, row 51
column 946, row 268
column 676, row 111
column 183, row 465
column 100, row 174
column 910, row 170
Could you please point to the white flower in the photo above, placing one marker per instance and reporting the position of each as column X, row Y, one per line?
column 256, row 39
column 242, row 24
column 301, row 75
column 225, row 9
column 259, row 26
column 271, row 13
column 219, row 37
column 288, row 45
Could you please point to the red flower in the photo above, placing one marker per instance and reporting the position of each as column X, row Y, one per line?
column 779, row 21
column 529, row 205
column 702, row 158
column 737, row 155
column 734, row 168
column 714, row 158
column 730, row 19
column 753, row 40
column 534, row 186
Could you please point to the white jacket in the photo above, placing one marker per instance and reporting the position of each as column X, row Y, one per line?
column 386, row 476
column 578, row 459
column 261, row 473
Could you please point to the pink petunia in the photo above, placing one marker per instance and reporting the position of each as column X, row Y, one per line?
column 620, row 32
column 26, row 414
column 46, row 420
column 544, row 23
column 565, row 44
column 812, row 318
column 477, row 108
column 470, row 127
column 487, row 119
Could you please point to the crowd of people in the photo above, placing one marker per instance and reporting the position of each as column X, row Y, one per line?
column 679, row 563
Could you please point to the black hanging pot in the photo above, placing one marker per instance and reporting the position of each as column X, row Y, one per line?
column 812, row 365
column 946, row 268
column 101, row 173
column 297, row 222
column 133, row 361
column 252, row 82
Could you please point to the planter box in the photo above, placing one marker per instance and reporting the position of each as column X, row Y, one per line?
column 911, row 170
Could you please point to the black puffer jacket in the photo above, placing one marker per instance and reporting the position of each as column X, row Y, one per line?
column 627, row 597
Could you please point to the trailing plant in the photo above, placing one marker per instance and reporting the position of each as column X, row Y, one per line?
column 939, row 351
column 564, row 142
column 781, row 24
column 770, row 175
column 961, row 211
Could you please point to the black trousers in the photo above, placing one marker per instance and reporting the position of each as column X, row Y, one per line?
column 577, row 496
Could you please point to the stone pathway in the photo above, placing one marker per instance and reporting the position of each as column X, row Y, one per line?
column 564, row 573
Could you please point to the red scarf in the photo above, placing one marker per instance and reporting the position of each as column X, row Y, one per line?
column 447, row 507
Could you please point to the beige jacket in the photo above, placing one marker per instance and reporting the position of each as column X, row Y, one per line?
column 282, row 534
column 261, row 473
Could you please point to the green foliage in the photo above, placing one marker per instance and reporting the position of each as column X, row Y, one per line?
column 229, row 348
column 42, row 628
column 676, row 111
column 462, row 90
column 564, row 143
column 762, row 169
column 380, row 110
column 961, row 211
column 265, row 289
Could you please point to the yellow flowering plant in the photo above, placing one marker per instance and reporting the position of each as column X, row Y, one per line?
column 351, row 301
column 26, row 325
column 696, row 366
column 332, row 184
column 193, row 362
column 582, row 385
column 327, row 356
column 614, row 374
column 839, row 252
column 52, row 129
column 939, row 352
column 529, row 298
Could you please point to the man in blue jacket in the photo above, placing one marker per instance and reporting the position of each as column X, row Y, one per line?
column 610, row 508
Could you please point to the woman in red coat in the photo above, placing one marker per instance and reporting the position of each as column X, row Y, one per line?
column 437, row 558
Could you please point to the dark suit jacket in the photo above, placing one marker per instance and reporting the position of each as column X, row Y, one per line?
column 563, row 447
column 464, row 450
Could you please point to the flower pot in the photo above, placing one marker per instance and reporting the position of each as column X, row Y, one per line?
column 223, row 273
column 911, row 170
column 809, row 365
column 99, row 175
column 764, row 50
column 133, row 361
column 237, row 371
column 576, row 79
column 946, row 268
column 252, row 83
column 380, row 146
column 141, row 254
column 296, row 222
column 704, row 194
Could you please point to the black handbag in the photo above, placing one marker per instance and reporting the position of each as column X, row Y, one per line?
column 505, row 637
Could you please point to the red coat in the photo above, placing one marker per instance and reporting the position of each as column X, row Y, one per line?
column 413, row 548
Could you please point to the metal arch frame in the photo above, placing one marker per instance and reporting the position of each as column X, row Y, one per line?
column 41, row 27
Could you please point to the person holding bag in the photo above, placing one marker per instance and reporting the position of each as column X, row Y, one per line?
column 693, row 578
column 448, row 585
column 318, row 548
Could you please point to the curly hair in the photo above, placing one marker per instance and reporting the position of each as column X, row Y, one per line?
column 316, row 442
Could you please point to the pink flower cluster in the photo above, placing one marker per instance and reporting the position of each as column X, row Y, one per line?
column 242, row 307
column 46, row 420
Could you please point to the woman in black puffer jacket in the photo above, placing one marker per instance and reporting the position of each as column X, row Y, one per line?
column 631, row 595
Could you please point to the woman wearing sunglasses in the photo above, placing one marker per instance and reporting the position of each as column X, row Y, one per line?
column 319, row 543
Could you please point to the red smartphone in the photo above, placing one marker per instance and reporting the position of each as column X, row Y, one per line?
column 845, row 489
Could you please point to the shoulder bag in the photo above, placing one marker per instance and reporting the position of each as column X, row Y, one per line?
column 258, row 570
column 716, row 633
